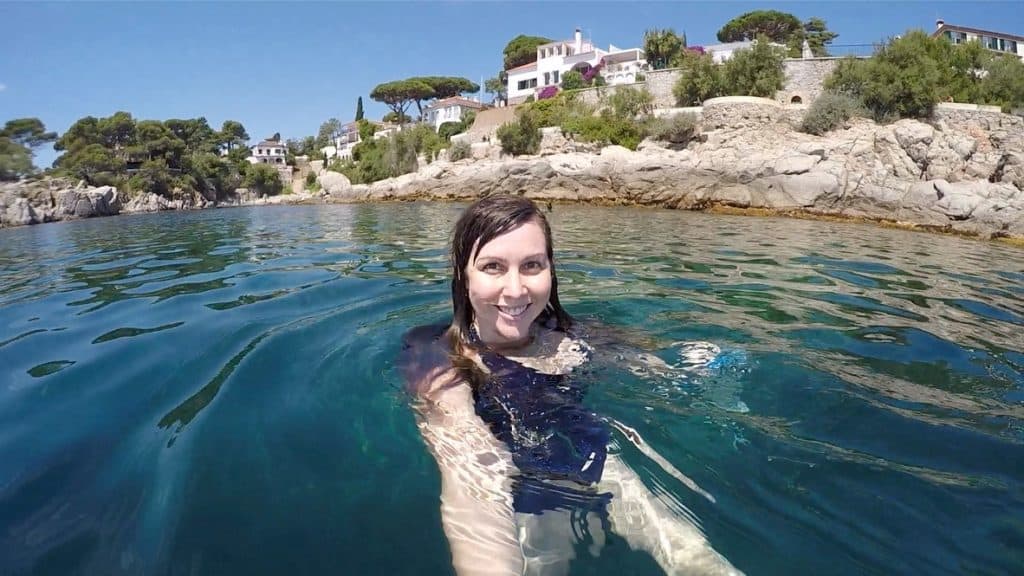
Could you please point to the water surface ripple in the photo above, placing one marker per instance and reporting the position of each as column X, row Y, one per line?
column 214, row 392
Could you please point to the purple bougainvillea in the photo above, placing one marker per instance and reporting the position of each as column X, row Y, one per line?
column 592, row 71
column 697, row 49
column 547, row 92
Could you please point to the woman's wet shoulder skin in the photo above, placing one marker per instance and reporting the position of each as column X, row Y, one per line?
column 424, row 362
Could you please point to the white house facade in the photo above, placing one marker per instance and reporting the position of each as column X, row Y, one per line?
column 273, row 152
column 344, row 143
column 554, row 59
column 449, row 110
column 995, row 41
column 268, row 152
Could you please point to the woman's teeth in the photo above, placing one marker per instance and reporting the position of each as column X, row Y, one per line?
column 513, row 310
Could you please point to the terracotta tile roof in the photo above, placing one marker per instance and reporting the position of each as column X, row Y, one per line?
column 455, row 101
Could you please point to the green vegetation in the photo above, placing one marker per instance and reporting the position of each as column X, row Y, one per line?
column 459, row 151
column 829, row 111
column 750, row 72
column 18, row 140
column 522, row 50
column 699, row 80
column 400, row 94
column 392, row 118
column 663, row 48
column 677, row 129
column 359, row 109
column 497, row 87
column 263, row 179
column 521, row 136
column 375, row 159
column 907, row 77
column 449, row 129
column 160, row 157
column 572, row 80
column 781, row 28
column 623, row 118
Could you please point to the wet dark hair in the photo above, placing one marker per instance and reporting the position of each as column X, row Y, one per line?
column 481, row 222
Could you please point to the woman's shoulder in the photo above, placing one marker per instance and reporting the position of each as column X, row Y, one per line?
column 428, row 334
column 425, row 360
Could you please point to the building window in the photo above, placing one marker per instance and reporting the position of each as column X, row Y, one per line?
column 556, row 76
column 547, row 78
column 526, row 84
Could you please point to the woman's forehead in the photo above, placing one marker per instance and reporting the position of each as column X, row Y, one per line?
column 527, row 235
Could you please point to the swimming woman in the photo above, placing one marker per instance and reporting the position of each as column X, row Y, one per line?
column 526, row 471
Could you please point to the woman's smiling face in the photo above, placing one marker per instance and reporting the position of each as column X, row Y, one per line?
column 509, row 285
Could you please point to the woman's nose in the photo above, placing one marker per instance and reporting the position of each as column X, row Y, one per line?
column 514, row 284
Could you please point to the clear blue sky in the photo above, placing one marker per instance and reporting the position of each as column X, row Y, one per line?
column 288, row 66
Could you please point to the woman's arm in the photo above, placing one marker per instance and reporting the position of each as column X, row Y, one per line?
column 476, row 501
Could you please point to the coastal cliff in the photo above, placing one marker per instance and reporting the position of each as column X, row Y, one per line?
column 961, row 171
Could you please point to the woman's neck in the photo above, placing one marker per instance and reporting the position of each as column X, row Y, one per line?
column 506, row 346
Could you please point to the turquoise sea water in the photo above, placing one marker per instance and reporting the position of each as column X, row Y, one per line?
column 215, row 393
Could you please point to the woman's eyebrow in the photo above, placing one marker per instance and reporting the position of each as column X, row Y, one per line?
column 538, row 255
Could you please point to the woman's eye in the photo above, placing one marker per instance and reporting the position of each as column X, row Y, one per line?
column 533, row 266
column 491, row 267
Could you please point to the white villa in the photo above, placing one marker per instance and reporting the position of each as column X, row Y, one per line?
column 346, row 142
column 554, row 59
column 996, row 41
column 272, row 151
column 268, row 152
column 449, row 110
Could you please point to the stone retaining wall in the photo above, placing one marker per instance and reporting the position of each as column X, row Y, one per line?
column 804, row 79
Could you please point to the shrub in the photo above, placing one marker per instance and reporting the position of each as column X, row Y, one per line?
column 677, row 129
column 572, row 80
column 449, row 129
column 756, row 71
column 630, row 102
column 607, row 129
column 699, row 80
column 263, row 179
column 521, row 136
column 310, row 179
column 1003, row 84
column 459, row 151
column 829, row 111
column 902, row 79
column 555, row 111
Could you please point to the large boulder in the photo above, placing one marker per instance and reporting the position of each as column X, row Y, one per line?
column 335, row 184
column 18, row 212
column 101, row 201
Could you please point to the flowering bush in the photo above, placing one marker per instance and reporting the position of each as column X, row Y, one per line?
column 547, row 92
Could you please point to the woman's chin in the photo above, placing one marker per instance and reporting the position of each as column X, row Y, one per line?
column 513, row 332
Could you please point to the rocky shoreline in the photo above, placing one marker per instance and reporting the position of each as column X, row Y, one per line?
column 961, row 172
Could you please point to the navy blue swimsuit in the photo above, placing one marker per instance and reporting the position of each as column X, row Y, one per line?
column 541, row 419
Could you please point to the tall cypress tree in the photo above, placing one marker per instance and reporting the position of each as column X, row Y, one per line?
column 359, row 109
